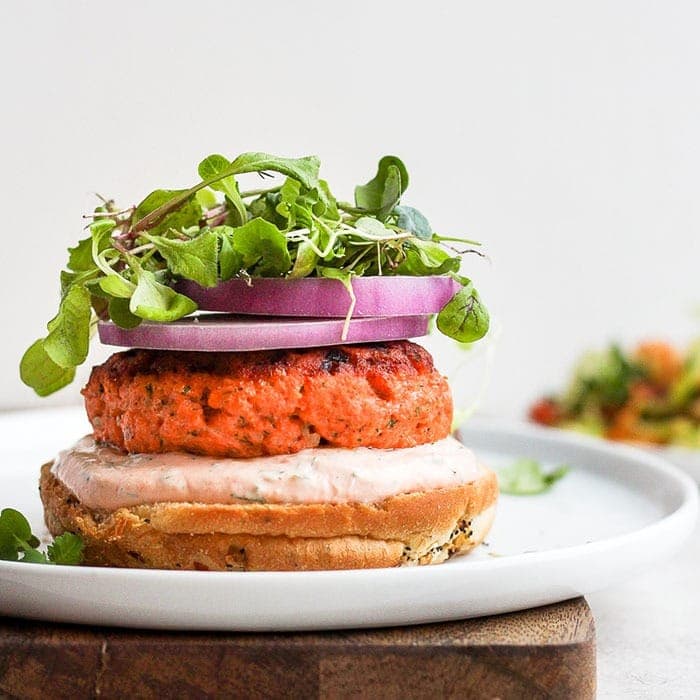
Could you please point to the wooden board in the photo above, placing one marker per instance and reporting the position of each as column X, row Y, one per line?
column 546, row 652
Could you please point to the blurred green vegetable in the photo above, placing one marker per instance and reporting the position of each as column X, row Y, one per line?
column 525, row 477
column 650, row 395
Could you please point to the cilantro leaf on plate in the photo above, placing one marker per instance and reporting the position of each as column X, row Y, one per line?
column 66, row 549
column 17, row 543
column 525, row 477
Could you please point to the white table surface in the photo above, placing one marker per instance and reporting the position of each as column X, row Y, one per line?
column 648, row 631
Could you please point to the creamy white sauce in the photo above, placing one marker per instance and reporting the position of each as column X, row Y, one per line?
column 103, row 478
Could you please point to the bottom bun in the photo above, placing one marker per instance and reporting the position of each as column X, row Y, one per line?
column 427, row 527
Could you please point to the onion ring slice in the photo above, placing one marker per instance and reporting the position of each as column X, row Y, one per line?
column 223, row 332
column 321, row 297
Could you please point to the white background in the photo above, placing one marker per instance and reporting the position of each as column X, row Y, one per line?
column 562, row 135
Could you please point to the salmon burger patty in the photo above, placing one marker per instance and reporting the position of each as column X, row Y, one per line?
column 248, row 404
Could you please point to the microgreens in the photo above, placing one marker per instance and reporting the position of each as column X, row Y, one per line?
column 213, row 232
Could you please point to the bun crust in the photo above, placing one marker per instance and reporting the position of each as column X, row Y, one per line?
column 409, row 529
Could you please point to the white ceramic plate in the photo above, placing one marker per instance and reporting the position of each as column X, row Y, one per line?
column 685, row 458
column 618, row 512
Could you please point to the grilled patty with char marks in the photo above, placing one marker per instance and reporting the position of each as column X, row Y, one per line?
column 248, row 404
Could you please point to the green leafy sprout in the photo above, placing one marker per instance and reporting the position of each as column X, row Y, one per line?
column 525, row 477
column 125, row 268
column 17, row 543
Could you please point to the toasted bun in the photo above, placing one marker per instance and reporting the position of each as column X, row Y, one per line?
column 416, row 528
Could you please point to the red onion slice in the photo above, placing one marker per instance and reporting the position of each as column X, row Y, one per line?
column 220, row 332
column 324, row 298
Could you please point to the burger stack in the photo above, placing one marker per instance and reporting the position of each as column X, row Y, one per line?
column 271, row 448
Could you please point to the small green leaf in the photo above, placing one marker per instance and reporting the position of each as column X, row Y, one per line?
column 230, row 261
column 8, row 546
column 195, row 259
column 263, row 246
column 96, row 292
column 9, row 550
column 303, row 169
column 305, row 260
column 78, row 278
column 211, row 168
column 335, row 273
column 101, row 234
column 102, row 227
column 119, row 312
column 67, row 279
column 80, row 257
column 328, row 200
column 157, row 302
column 207, row 199
column 525, row 477
column 41, row 373
column 265, row 207
column 215, row 167
column 68, row 341
column 427, row 258
column 13, row 521
column 117, row 286
column 410, row 219
column 464, row 317
column 383, row 192
column 186, row 212
column 66, row 549
column 287, row 199
column 372, row 227
column 15, row 535
column 34, row 556
column 434, row 257
column 298, row 206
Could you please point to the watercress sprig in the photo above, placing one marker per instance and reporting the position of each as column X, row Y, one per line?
column 17, row 543
column 213, row 231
